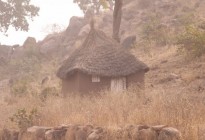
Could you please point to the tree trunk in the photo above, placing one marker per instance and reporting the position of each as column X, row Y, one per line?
column 117, row 15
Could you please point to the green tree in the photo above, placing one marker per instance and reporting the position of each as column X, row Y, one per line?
column 95, row 5
column 85, row 5
column 192, row 41
column 16, row 13
column 24, row 119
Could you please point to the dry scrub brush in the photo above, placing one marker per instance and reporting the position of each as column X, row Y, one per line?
column 113, row 110
column 174, row 107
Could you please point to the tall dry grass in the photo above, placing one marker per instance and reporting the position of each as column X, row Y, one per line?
column 112, row 110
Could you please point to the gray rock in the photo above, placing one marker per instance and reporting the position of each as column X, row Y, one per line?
column 129, row 41
column 49, row 46
column 72, row 31
column 84, row 31
column 35, row 133
column 55, row 134
column 30, row 42
column 7, row 134
column 169, row 133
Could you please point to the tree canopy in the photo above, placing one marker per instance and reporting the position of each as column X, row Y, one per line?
column 95, row 5
column 16, row 13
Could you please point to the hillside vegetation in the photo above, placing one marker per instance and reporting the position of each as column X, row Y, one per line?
column 170, row 39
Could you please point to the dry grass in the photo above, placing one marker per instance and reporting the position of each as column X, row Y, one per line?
column 176, row 103
column 112, row 110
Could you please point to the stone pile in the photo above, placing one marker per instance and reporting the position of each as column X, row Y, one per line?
column 89, row 132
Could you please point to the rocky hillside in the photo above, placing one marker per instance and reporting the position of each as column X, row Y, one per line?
column 145, row 24
column 151, row 30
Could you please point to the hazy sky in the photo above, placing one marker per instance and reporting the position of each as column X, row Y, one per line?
column 51, row 12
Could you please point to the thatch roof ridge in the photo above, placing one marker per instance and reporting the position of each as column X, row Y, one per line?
column 103, row 56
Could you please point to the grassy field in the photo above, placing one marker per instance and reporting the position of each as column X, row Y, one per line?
column 175, row 101
column 112, row 110
column 173, row 94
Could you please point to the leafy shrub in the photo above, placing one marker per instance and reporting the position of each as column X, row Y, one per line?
column 48, row 91
column 192, row 41
column 30, row 62
column 95, row 5
column 26, row 64
column 154, row 31
column 24, row 119
column 23, row 86
column 20, row 88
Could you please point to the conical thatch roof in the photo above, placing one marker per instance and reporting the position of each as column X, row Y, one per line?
column 102, row 56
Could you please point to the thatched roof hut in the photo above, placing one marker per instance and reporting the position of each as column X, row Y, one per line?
column 100, row 57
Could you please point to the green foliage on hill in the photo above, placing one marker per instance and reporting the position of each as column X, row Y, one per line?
column 154, row 31
column 192, row 41
column 95, row 5
column 16, row 13
column 24, row 119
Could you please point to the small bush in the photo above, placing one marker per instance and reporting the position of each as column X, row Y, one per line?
column 26, row 64
column 154, row 31
column 48, row 91
column 24, row 119
column 192, row 41
column 23, row 86
column 20, row 88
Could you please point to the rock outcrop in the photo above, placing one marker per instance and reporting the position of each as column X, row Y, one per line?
column 89, row 132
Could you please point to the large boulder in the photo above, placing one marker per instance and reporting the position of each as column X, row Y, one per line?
column 97, row 134
column 169, row 133
column 77, row 132
column 51, row 43
column 7, row 134
column 71, row 130
column 129, row 41
column 146, row 134
column 30, row 42
column 56, row 134
column 34, row 133
column 72, row 31
column 131, row 131
column 80, row 134
column 84, row 31
column 160, row 132
column 49, row 46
